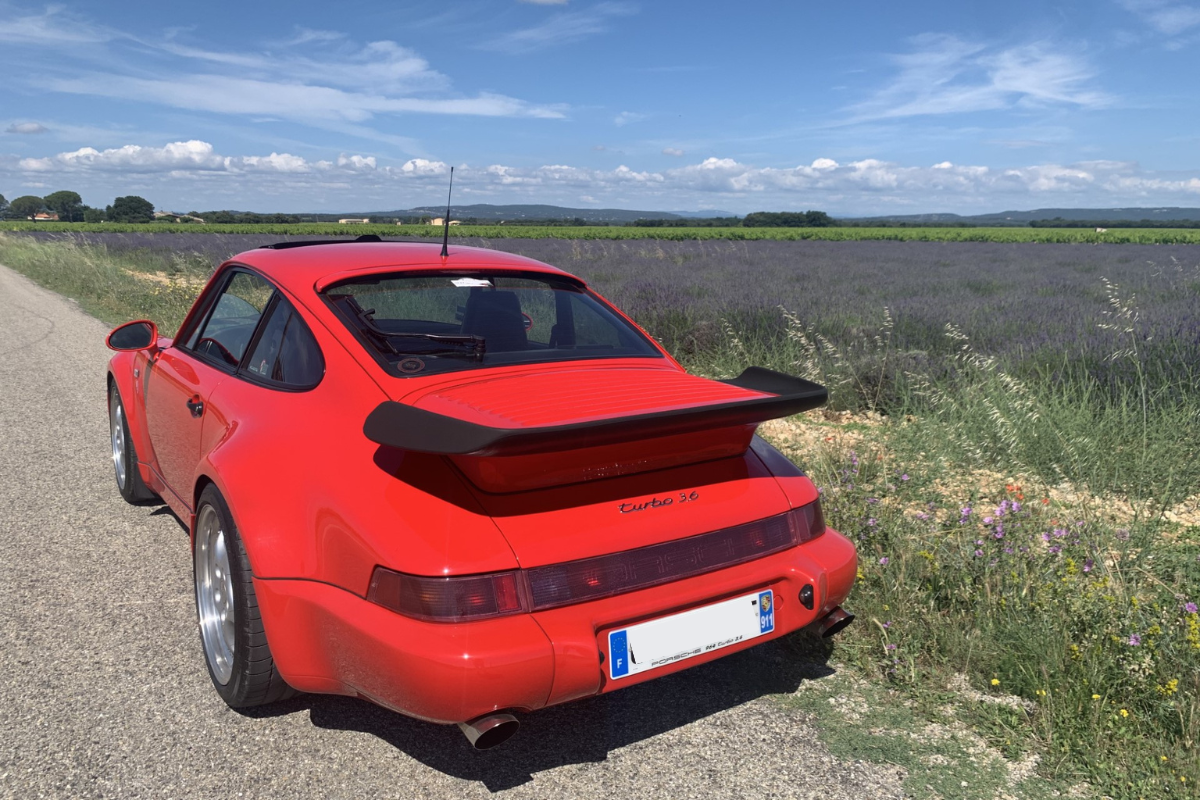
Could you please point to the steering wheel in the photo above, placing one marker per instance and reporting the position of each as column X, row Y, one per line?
column 222, row 350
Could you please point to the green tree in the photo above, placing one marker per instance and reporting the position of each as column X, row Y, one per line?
column 3, row 207
column 68, row 205
column 26, row 207
column 93, row 214
column 130, row 209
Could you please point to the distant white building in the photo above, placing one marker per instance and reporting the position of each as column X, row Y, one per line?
column 354, row 221
column 439, row 221
column 1101, row 230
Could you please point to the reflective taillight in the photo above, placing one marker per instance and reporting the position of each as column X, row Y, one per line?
column 454, row 599
column 472, row 597
column 603, row 576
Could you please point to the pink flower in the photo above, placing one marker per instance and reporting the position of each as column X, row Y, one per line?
column 1190, row 608
column 1135, row 640
column 883, row 562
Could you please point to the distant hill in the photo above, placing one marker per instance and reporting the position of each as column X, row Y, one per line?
column 1161, row 214
column 488, row 212
column 516, row 213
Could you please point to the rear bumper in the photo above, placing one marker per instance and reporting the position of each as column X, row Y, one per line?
column 326, row 639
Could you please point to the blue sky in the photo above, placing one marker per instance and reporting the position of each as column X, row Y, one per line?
column 855, row 108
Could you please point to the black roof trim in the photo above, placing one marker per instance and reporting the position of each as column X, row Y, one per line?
column 409, row 428
column 366, row 237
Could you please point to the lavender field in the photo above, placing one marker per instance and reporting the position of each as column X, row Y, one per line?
column 1043, row 310
column 1018, row 468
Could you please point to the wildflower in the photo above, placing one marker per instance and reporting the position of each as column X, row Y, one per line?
column 883, row 562
column 1135, row 640
column 987, row 520
column 891, row 647
column 1123, row 534
column 965, row 511
column 999, row 534
column 1017, row 506
column 979, row 554
column 1088, row 564
column 995, row 681
column 860, row 575
column 904, row 477
column 1040, row 692
column 887, row 608
column 872, row 500
column 1162, row 758
column 1095, row 697
column 872, row 522
column 1045, row 537
column 1190, row 608
column 1045, row 501
column 1124, row 712
column 1056, row 550
column 887, row 624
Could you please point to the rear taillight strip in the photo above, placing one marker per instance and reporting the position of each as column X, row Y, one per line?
column 603, row 576
column 457, row 599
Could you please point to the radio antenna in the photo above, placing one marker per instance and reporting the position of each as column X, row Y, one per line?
column 446, row 221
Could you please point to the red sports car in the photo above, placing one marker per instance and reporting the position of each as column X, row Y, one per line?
column 461, row 485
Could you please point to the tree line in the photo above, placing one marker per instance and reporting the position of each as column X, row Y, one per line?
column 69, row 207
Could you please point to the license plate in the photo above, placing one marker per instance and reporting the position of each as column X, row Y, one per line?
column 692, row 633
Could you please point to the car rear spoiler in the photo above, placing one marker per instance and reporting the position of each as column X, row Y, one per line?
column 409, row 428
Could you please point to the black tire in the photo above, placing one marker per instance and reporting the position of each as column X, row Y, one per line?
column 250, row 676
column 125, row 462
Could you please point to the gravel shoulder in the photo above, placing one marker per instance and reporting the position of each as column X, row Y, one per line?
column 104, row 693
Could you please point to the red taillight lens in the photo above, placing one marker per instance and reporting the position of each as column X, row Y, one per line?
column 472, row 597
column 808, row 521
column 592, row 578
column 455, row 599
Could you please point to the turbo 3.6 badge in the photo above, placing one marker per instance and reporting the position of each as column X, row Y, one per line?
column 658, row 502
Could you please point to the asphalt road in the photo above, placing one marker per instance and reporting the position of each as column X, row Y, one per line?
column 103, row 692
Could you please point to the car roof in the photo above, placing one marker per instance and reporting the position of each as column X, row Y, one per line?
column 303, row 269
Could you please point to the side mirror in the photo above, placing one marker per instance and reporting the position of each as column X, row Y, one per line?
column 138, row 335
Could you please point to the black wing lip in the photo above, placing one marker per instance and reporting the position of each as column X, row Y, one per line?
column 406, row 427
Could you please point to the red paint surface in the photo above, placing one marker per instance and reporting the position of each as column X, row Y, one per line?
column 319, row 506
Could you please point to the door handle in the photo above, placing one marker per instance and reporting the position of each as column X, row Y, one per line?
column 196, row 406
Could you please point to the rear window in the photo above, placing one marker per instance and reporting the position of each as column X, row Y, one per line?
column 427, row 323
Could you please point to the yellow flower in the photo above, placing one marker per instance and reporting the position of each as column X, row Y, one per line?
column 1124, row 713
column 1041, row 692
column 995, row 681
column 1095, row 697
column 886, row 608
column 1162, row 758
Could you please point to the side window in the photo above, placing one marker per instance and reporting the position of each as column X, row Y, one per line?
column 286, row 352
column 227, row 331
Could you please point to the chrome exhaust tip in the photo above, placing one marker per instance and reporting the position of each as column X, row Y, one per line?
column 834, row 621
column 490, row 730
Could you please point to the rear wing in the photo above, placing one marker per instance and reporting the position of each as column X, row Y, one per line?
column 409, row 428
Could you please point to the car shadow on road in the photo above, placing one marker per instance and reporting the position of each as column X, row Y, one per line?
column 587, row 730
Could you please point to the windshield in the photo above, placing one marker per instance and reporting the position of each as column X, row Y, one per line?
column 429, row 323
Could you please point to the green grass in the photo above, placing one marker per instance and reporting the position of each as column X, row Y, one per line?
column 1080, row 636
column 1047, row 235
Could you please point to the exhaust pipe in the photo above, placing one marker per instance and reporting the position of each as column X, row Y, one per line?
column 834, row 622
column 490, row 730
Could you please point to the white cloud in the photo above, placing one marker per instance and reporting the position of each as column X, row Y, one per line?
column 1166, row 16
column 563, row 28
column 672, row 151
column 947, row 75
column 318, row 78
column 26, row 127
column 626, row 117
column 861, row 186
column 54, row 28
